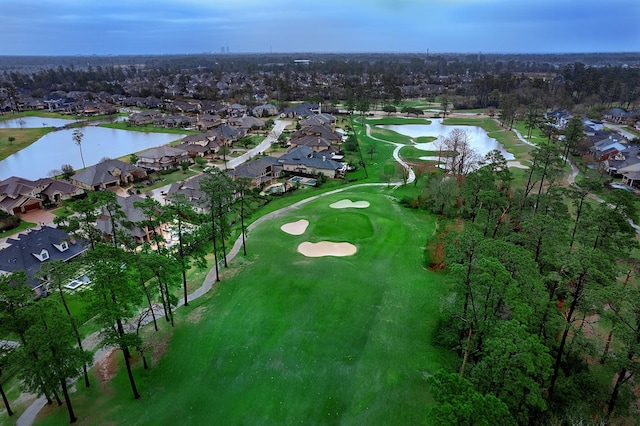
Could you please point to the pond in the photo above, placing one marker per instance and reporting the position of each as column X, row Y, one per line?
column 480, row 142
column 54, row 149
column 34, row 122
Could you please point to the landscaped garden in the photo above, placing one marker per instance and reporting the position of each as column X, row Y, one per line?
column 286, row 338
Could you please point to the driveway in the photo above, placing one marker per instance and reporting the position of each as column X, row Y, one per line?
column 264, row 145
column 621, row 130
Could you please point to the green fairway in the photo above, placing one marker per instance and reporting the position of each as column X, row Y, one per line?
column 286, row 339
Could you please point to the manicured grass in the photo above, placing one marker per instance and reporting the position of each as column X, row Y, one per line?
column 390, row 121
column 425, row 139
column 288, row 339
column 23, row 226
column 390, row 135
column 23, row 138
column 169, row 178
column 125, row 125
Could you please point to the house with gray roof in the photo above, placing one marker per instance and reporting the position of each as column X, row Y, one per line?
column 109, row 173
column 28, row 251
column 623, row 162
column 262, row 171
column 304, row 161
column 247, row 122
column 607, row 147
column 163, row 158
column 140, row 231
column 300, row 111
column 19, row 195
column 266, row 110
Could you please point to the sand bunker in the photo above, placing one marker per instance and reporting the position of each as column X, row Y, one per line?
column 516, row 164
column 326, row 248
column 295, row 228
column 345, row 204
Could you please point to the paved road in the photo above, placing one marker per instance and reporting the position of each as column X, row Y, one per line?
column 620, row 129
column 264, row 145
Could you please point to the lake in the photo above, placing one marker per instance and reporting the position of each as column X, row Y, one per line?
column 54, row 149
column 480, row 142
column 34, row 122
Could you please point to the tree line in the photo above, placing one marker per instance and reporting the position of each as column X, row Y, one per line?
column 542, row 316
column 128, row 286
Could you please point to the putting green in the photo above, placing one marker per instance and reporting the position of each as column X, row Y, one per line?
column 341, row 225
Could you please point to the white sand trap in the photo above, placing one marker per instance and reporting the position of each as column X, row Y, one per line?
column 345, row 204
column 295, row 228
column 516, row 164
column 326, row 248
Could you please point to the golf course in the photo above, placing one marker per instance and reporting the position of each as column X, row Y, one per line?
column 285, row 338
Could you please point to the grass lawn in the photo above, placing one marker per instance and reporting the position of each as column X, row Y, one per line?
column 286, row 339
column 22, row 139
column 390, row 121
column 124, row 125
column 23, row 226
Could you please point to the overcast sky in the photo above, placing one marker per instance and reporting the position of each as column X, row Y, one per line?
column 70, row 27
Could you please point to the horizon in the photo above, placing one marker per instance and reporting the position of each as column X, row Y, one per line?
column 122, row 28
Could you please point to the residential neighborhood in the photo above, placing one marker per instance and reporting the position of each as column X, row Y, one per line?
column 301, row 209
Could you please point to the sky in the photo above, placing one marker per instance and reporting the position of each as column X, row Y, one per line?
column 124, row 27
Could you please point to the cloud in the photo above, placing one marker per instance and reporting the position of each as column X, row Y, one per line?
column 186, row 26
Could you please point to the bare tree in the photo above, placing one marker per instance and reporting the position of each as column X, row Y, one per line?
column 459, row 157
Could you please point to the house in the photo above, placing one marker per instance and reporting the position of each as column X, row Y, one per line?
column 266, row 110
column 19, row 195
column 226, row 134
column 321, row 119
column 191, row 191
column 301, row 111
column 316, row 143
column 558, row 118
column 144, row 118
column 207, row 121
column 247, row 123
column 623, row 162
column 262, row 171
column 607, row 147
column 162, row 158
column 210, row 141
column 631, row 179
column 304, row 161
column 318, row 130
column 109, row 173
column 28, row 251
column 140, row 232
column 237, row 110
column 616, row 115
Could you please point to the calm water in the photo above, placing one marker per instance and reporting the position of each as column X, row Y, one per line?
column 34, row 122
column 478, row 138
column 57, row 148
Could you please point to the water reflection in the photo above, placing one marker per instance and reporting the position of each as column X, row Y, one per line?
column 57, row 148
column 478, row 138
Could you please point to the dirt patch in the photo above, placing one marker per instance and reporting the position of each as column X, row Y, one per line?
column 295, row 228
column 195, row 316
column 107, row 367
column 346, row 204
column 159, row 349
column 326, row 248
